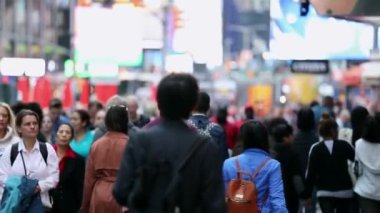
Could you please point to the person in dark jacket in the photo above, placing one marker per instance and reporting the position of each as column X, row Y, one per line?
column 67, row 196
column 200, row 188
column 303, row 140
column 306, row 135
column 204, row 126
column 328, row 171
column 290, row 165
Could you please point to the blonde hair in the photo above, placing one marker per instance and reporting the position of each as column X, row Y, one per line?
column 12, row 118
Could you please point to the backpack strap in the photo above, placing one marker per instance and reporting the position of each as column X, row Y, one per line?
column 44, row 152
column 238, row 169
column 14, row 153
column 241, row 172
column 261, row 166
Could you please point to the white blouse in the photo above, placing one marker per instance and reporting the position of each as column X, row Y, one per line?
column 47, row 174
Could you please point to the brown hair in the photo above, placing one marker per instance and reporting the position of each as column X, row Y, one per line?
column 328, row 127
column 23, row 113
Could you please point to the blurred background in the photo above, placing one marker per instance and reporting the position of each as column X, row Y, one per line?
column 274, row 55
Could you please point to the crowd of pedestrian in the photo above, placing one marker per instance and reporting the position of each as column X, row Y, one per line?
column 113, row 159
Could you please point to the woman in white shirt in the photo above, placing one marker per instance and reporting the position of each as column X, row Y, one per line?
column 7, row 121
column 40, row 166
column 367, row 155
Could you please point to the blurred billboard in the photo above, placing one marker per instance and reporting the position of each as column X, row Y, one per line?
column 347, row 7
column 109, row 35
column 295, row 37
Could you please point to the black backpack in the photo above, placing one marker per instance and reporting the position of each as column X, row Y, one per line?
column 14, row 152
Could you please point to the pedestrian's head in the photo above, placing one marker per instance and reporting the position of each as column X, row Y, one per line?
column 35, row 107
column 358, row 117
column 249, row 113
column 283, row 133
column 99, row 118
column 27, row 124
column 133, row 105
column 203, row 103
column 371, row 131
column 116, row 119
column 65, row 134
column 177, row 95
column 328, row 102
column 7, row 117
column 115, row 100
column 80, row 120
column 328, row 128
column 47, row 124
column 305, row 119
column 253, row 134
column 221, row 115
column 274, row 122
column 55, row 108
column 94, row 107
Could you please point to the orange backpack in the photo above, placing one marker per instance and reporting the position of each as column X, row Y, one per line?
column 242, row 194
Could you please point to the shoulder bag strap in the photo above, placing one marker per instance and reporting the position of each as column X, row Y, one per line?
column 199, row 140
column 169, row 196
column 23, row 162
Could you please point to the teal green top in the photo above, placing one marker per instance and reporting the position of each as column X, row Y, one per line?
column 83, row 146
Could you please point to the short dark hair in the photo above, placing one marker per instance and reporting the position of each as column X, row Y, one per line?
column 221, row 115
column 253, row 134
column 358, row 117
column 23, row 113
column 117, row 119
column 96, row 104
column 281, row 131
column 84, row 116
column 272, row 123
column 327, row 126
column 371, row 129
column 305, row 119
column 71, row 129
column 55, row 103
column 203, row 103
column 177, row 95
column 249, row 112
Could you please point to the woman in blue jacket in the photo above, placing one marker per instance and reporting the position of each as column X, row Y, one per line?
column 254, row 137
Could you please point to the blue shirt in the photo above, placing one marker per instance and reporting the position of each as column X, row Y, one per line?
column 83, row 146
column 269, row 178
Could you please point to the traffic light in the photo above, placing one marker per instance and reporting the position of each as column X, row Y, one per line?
column 138, row 3
column 177, row 17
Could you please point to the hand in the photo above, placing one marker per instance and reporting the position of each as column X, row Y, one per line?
column 37, row 190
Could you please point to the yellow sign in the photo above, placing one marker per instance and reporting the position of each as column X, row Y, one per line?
column 261, row 98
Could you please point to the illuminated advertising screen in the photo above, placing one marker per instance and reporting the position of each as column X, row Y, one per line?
column 312, row 37
column 109, row 35
column 200, row 31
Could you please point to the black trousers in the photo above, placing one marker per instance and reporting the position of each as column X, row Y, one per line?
column 369, row 205
column 334, row 205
